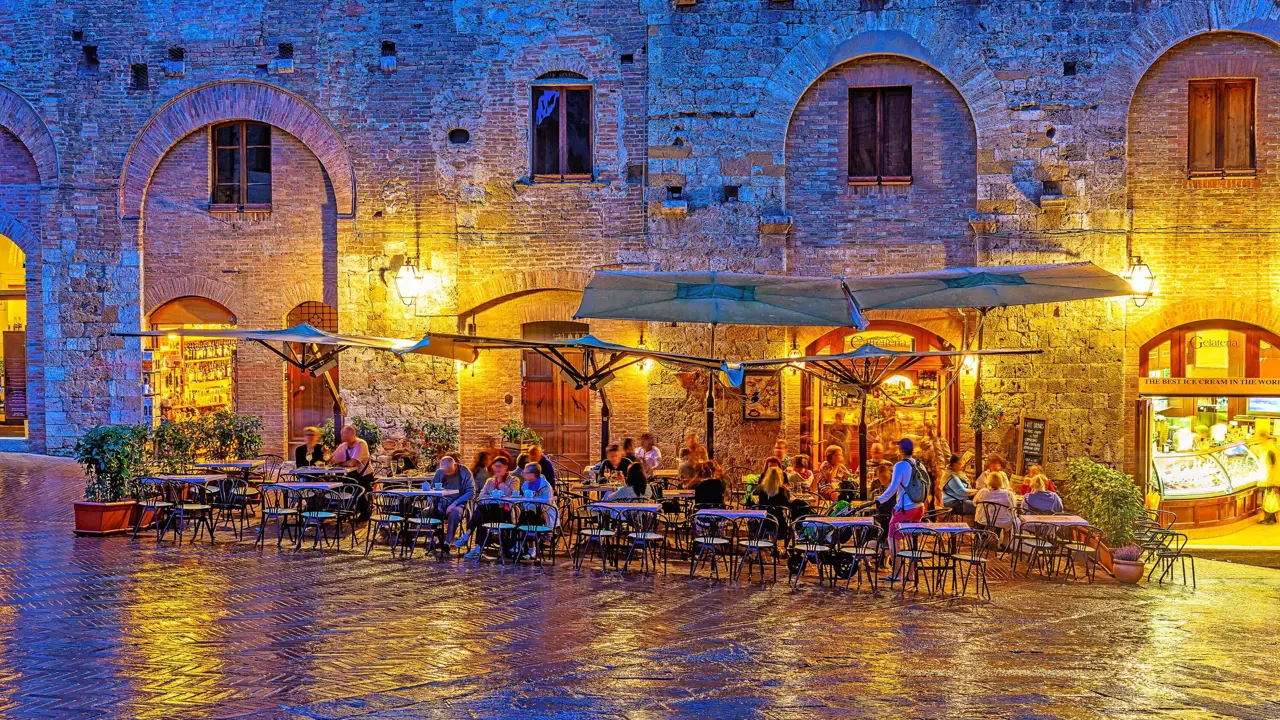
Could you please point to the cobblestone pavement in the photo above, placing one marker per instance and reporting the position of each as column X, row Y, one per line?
column 118, row 628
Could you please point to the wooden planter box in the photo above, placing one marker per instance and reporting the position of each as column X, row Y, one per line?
column 94, row 518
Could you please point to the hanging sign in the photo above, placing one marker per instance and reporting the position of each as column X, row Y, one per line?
column 1209, row 387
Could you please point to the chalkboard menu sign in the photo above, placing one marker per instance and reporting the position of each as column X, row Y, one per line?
column 1031, row 437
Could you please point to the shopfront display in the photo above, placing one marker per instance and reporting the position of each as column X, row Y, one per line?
column 830, row 413
column 187, row 377
column 1210, row 398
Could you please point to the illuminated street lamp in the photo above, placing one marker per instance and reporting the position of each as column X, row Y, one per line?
column 1141, row 279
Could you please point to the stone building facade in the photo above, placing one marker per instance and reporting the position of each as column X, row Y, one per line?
column 719, row 137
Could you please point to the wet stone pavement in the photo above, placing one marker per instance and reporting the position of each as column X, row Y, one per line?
column 116, row 628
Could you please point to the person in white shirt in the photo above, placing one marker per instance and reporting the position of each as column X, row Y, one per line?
column 648, row 454
column 905, row 510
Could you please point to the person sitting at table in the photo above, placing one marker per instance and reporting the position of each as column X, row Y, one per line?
column 1033, row 472
column 453, row 475
column 534, row 455
column 831, row 473
column 636, row 488
column 648, row 454
column 310, row 453
column 883, row 510
column 480, row 469
column 690, row 455
column 353, row 453
column 537, row 487
column 771, row 495
column 1042, row 499
column 800, row 475
column 506, row 484
column 614, row 465
column 955, row 489
column 993, row 517
column 708, row 488
column 995, row 464
column 629, row 449
column 780, row 455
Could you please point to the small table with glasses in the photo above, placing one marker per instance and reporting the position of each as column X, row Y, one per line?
column 315, row 471
column 244, row 468
column 1059, row 520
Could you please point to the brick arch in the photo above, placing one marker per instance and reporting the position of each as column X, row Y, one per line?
column 506, row 286
column 297, row 293
column 21, row 235
column 235, row 100
column 17, row 115
column 1239, row 309
column 157, row 294
column 858, row 35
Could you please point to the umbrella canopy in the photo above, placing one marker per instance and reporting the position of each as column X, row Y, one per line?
column 987, row 287
column 719, row 298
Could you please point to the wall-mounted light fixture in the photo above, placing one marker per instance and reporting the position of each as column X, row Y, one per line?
column 412, row 278
column 647, row 363
column 1141, row 279
column 794, row 353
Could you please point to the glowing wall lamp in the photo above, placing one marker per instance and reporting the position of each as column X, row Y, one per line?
column 1141, row 279
column 411, row 278
column 647, row 363
column 795, row 353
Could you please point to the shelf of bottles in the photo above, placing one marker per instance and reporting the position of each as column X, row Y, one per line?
column 183, row 378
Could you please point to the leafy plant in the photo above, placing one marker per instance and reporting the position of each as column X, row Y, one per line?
column 112, row 456
column 431, row 440
column 224, row 435
column 516, row 432
column 1104, row 496
column 174, row 445
column 365, row 429
column 985, row 415
column 1128, row 553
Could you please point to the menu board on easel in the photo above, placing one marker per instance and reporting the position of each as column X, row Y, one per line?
column 1031, row 437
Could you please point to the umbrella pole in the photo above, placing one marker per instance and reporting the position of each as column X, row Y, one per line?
column 977, row 393
column 711, row 400
column 862, row 448
column 605, row 412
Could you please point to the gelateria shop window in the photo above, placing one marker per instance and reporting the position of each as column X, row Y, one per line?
column 829, row 415
column 184, row 377
column 1206, row 416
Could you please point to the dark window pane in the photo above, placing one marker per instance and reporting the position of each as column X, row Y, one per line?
column 228, row 136
column 226, row 194
column 546, row 131
column 258, row 195
column 228, row 164
column 895, row 132
column 862, row 133
column 1200, row 137
column 259, row 164
column 257, row 134
column 578, row 131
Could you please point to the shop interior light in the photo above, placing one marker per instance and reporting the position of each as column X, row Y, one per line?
column 970, row 364
column 1141, row 279
column 793, row 354
column 647, row 363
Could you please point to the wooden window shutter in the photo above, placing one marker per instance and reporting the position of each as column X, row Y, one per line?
column 1237, row 125
column 863, row 135
column 895, row 135
column 1202, row 130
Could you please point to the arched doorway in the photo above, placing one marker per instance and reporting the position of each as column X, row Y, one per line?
column 553, row 408
column 311, row 399
column 1209, row 398
column 183, row 378
column 830, row 416
column 13, row 328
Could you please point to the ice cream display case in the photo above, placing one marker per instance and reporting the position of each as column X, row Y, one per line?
column 1207, row 472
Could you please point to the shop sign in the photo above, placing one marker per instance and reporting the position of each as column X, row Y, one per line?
column 898, row 342
column 1209, row 387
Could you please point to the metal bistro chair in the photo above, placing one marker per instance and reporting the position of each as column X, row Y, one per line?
column 863, row 550
column 421, row 517
column 536, row 522
column 811, row 541
column 281, row 505
column 598, row 533
column 972, row 549
column 762, row 537
column 152, row 499
column 345, row 503
column 1162, row 518
column 914, row 557
column 1174, row 551
column 710, row 537
column 230, row 499
column 269, row 470
column 500, row 520
column 386, row 517
column 316, row 513
column 995, row 516
column 1037, row 542
column 640, row 528
column 1084, row 541
column 190, row 503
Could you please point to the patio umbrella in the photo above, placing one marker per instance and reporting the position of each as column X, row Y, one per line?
column 718, row 298
column 862, row 371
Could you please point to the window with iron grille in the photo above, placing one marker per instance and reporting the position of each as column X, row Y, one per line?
column 562, row 129
column 241, row 167
column 880, row 136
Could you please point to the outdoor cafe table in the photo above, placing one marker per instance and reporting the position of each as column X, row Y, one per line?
column 853, row 520
column 624, row 506
column 189, row 479
column 939, row 527
column 1071, row 520
column 317, row 472
column 677, row 494
column 732, row 514
column 425, row 492
column 308, row 485
column 580, row 488
column 232, row 467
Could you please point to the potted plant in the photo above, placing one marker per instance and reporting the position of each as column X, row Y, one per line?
column 1110, row 501
column 430, row 441
column 1127, row 565
column 517, row 435
column 985, row 415
column 174, row 446
column 365, row 429
column 112, row 456
column 225, row 435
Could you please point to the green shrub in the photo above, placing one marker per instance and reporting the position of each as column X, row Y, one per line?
column 516, row 432
column 174, row 445
column 365, row 429
column 112, row 457
column 431, row 440
column 1104, row 496
column 224, row 435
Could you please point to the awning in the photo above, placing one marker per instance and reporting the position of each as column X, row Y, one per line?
column 988, row 286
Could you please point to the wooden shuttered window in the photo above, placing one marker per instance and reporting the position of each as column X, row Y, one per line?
column 241, row 167
column 1220, row 130
column 880, row 135
column 562, row 139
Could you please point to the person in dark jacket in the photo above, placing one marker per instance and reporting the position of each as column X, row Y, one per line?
column 771, row 495
column 534, row 455
column 311, row 452
column 709, row 488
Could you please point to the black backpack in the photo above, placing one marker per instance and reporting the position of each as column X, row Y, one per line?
column 918, row 486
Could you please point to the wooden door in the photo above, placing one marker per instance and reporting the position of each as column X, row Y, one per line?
column 15, row 376
column 552, row 407
column 310, row 401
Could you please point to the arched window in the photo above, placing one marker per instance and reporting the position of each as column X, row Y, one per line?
column 562, row 130
column 184, row 377
column 1211, row 349
column 312, row 399
column 241, row 167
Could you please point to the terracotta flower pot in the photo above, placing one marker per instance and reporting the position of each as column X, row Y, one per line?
column 1129, row 571
column 95, row 518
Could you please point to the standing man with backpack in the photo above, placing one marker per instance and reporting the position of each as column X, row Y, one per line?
column 910, row 483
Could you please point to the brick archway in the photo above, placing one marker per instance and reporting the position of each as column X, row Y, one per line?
column 160, row 293
column 1241, row 310
column 22, row 236
column 19, row 118
column 506, row 286
column 235, row 100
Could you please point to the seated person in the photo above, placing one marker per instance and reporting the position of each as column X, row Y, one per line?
column 955, row 490
column 1042, row 499
column 709, row 489
column 831, row 474
column 613, row 468
column 1033, row 472
column 649, row 453
column 772, row 495
column 801, row 473
column 780, row 455
column 537, row 487
column 884, row 510
column 534, row 455
column 629, row 449
column 353, row 453
column 637, row 487
column 506, row 484
column 993, row 517
column 453, row 475
column 310, row 453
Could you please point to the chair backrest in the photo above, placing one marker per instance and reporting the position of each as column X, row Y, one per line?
column 989, row 512
column 975, row 545
column 1165, row 518
column 385, row 503
column 640, row 520
column 269, row 471
column 813, row 530
column 918, row 539
column 275, row 497
column 766, row 528
column 710, row 525
column 348, row 496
